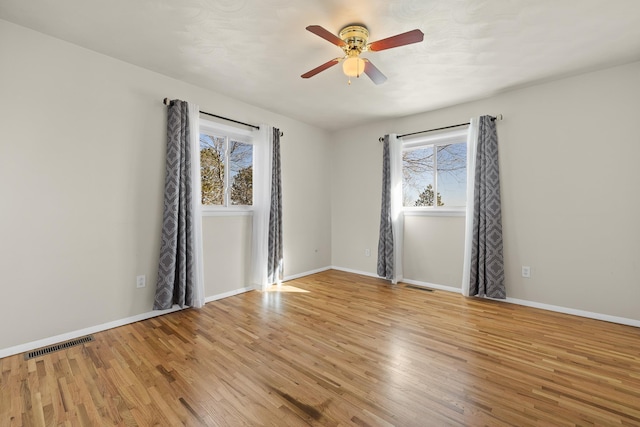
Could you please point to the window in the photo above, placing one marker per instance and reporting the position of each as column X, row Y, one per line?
column 226, row 166
column 434, row 172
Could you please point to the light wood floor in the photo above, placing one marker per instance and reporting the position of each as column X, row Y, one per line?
column 350, row 350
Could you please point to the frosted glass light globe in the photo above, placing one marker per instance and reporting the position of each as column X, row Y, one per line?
column 353, row 66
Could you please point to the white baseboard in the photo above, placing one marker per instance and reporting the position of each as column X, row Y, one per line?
column 432, row 286
column 534, row 304
column 21, row 348
column 548, row 307
column 575, row 312
column 228, row 294
column 360, row 272
column 306, row 273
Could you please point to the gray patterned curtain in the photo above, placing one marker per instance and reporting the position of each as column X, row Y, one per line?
column 176, row 270
column 385, row 241
column 487, row 265
column 274, row 260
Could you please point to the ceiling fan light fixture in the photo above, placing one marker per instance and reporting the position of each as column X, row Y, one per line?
column 353, row 40
column 353, row 66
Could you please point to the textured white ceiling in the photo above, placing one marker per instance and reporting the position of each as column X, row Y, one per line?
column 256, row 50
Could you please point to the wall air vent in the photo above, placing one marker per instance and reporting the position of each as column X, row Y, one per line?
column 61, row 346
column 421, row 288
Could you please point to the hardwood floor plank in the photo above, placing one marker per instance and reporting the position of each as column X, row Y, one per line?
column 346, row 351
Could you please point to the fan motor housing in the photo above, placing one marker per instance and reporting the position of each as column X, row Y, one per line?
column 355, row 36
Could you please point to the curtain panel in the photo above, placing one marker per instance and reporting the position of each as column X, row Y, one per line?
column 267, row 252
column 275, row 253
column 385, row 241
column 390, row 240
column 180, row 269
column 483, row 273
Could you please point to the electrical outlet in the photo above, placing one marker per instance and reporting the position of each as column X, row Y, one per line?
column 526, row 271
column 141, row 281
column 367, row 252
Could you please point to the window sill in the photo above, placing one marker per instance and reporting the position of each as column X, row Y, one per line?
column 434, row 212
column 237, row 211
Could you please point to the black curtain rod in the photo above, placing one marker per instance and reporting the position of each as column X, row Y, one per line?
column 498, row 117
column 167, row 102
column 433, row 130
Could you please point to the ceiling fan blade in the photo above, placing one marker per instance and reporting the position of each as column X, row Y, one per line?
column 323, row 67
column 374, row 74
column 409, row 37
column 325, row 34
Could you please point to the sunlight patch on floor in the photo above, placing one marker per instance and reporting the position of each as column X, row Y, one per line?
column 285, row 288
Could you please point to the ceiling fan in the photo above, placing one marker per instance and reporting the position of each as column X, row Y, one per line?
column 353, row 41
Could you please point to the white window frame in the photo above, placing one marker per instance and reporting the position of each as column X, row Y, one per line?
column 444, row 138
column 227, row 132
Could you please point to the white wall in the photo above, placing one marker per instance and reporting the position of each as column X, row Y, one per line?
column 568, row 155
column 82, row 169
column 226, row 242
column 434, row 249
column 81, row 181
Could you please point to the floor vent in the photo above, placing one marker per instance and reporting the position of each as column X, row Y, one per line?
column 422, row 288
column 56, row 347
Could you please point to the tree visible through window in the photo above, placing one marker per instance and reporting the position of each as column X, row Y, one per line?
column 434, row 175
column 212, row 169
column 426, row 197
column 226, row 169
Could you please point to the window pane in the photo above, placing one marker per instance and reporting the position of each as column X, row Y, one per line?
column 417, row 177
column 452, row 174
column 241, row 173
column 212, row 169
